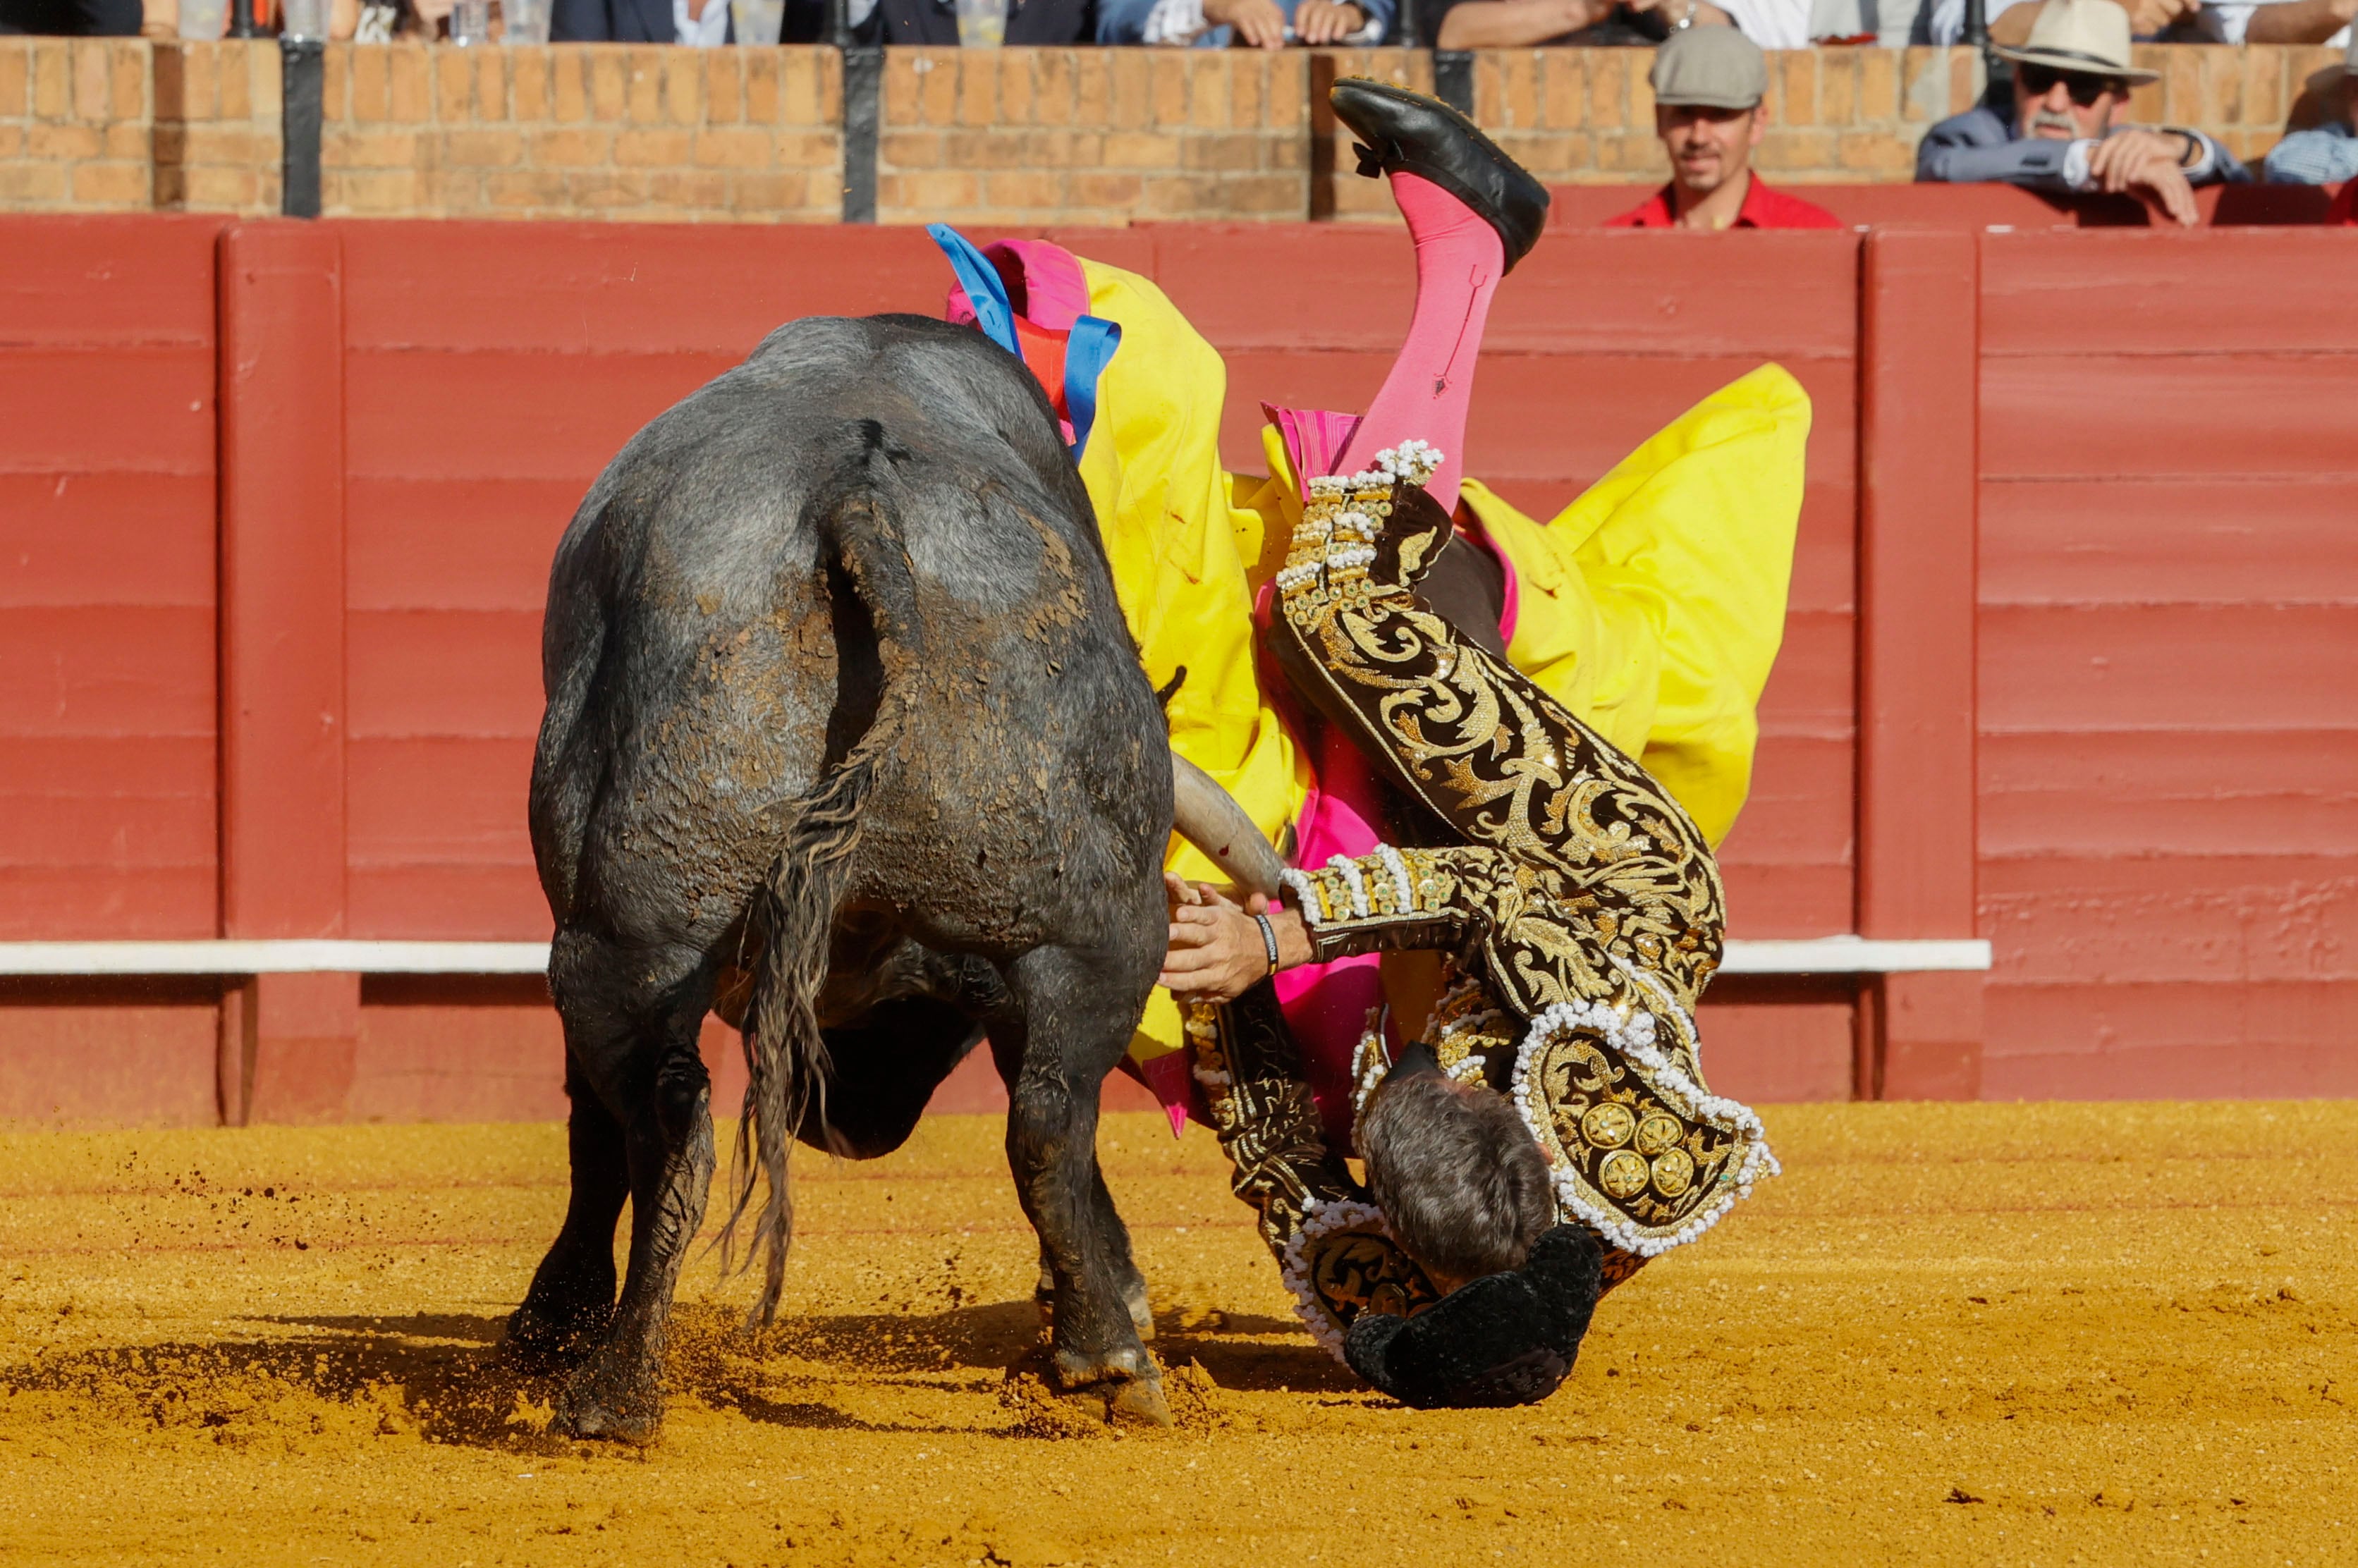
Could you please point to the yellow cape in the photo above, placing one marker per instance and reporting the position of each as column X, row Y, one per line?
column 1652, row 606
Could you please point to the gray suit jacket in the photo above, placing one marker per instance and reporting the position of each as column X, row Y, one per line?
column 1981, row 145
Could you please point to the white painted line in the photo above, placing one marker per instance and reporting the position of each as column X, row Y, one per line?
column 1854, row 955
column 1813, row 955
column 235, row 956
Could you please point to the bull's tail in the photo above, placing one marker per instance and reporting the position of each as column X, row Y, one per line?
column 795, row 910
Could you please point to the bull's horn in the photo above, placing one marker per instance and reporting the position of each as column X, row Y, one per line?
column 1209, row 818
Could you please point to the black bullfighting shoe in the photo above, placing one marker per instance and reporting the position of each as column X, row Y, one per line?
column 1505, row 1339
column 1400, row 131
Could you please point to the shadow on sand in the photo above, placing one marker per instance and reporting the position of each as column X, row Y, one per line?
column 441, row 1375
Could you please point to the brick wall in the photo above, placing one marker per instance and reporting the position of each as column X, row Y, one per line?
column 76, row 125
column 217, row 133
column 1086, row 137
column 637, row 131
column 1092, row 136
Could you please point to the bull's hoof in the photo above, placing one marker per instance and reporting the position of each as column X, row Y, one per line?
column 1121, row 1365
column 1139, row 1402
column 593, row 1409
column 538, row 1347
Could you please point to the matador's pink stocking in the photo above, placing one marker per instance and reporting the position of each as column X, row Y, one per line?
column 1459, row 260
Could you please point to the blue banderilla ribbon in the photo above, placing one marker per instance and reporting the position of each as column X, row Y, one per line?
column 1088, row 348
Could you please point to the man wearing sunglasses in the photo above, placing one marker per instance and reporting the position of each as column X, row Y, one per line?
column 2071, row 81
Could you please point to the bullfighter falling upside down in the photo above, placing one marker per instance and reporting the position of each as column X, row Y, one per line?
column 1496, row 758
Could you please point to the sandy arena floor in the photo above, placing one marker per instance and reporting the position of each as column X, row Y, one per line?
column 1972, row 1334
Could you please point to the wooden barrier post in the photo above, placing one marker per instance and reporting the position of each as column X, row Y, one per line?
column 287, row 1041
column 1920, row 1034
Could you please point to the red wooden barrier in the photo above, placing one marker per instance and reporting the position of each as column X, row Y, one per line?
column 2169, row 615
column 108, row 752
column 1971, row 207
column 1922, row 1036
column 2164, row 568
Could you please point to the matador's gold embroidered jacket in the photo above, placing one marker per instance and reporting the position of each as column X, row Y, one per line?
column 1652, row 606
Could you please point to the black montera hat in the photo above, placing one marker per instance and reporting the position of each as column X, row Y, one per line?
column 1504, row 1339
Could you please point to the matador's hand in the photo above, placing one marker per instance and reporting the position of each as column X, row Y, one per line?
column 1216, row 952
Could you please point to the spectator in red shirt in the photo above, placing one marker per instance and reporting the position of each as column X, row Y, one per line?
column 1707, row 87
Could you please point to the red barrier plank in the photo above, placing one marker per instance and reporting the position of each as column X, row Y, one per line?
column 444, row 414
column 439, row 802
column 2277, row 541
column 1788, row 900
column 98, row 670
column 2121, row 1066
column 101, row 904
column 140, row 409
column 108, row 282
column 2167, row 667
column 2219, row 918
column 612, row 288
column 114, row 832
column 1800, row 809
column 2248, row 291
column 1810, row 690
column 445, row 671
column 1778, row 1041
column 446, row 1048
column 2196, row 765
column 106, row 538
column 2084, row 415
column 2128, row 822
column 449, row 904
column 282, row 552
column 2241, row 1025
column 477, row 543
column 74, row 1053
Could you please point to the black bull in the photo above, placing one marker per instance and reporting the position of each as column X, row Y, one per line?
column 840, row 694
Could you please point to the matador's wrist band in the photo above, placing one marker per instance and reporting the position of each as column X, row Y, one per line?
column 1268, row 940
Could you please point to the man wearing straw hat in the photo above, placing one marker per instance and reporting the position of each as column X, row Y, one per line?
column 2072, row 82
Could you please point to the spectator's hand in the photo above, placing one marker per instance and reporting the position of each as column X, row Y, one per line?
column 1258, row 22
column 2149, row 17
column 2116, row 162
column 2149, row 166
column 1326, row 21
column 2165, row 184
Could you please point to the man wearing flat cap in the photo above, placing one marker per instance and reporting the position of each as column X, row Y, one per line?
column 1708, row 83
column 2071, row 81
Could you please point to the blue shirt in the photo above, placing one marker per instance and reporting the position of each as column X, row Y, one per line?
column 2326, row 156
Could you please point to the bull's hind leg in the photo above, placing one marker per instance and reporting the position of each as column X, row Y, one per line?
column 1071, row 1018
column 572, row 1297
column 631, row 1021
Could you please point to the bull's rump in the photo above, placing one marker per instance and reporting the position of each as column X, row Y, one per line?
column 716, row 641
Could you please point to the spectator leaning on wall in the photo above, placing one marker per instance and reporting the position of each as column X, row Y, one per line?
column 2162, row 21
column 1261, row 24
column 1708, row 83
column 2071, row 79
column 2328, row 154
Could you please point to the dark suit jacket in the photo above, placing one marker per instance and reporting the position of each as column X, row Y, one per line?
column 1028, row 22
column 616, row 22
column 71, row 19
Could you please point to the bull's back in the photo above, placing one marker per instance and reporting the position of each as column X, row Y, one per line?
column 710, row 655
